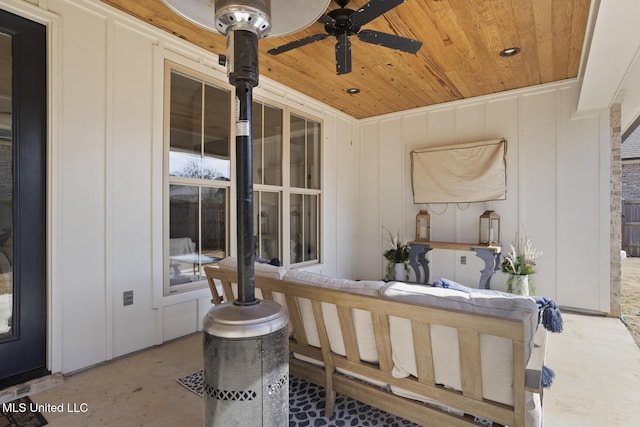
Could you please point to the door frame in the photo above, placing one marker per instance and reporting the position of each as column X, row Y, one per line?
column 25, row 350
column 53, row 24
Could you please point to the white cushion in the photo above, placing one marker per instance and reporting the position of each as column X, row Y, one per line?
column 341, row 370
column 368, row 287
column 362, row 321
column 262, row 270
column 259, row 268
column 496, row 353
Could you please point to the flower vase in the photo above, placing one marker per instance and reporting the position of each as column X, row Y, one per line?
column 400, row 272
column 520, row 284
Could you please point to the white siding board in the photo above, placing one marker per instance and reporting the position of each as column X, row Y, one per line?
column 414, row 134
column 538, row 192
column 391, row 166
column 369, row 232
column 579, row 212
column 329, row 194
column 346, row 206
column 130, row 237
column 179, row 320
column 82, row 189
column 470, row 121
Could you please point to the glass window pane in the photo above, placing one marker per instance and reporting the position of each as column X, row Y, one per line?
column 272, row 143
column 256, row 140
column 183, row 232
column 266, row 132
column 295, row 229
column 217, row 132
column 313, row 155
column 266, row 209
column 297, row 149
column 6, row 188
column 196, row 237
column 185, row 123
column 310, row 240
column 214, row 225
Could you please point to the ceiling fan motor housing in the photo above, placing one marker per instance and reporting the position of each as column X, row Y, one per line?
column 342, row 23
column 250, row 15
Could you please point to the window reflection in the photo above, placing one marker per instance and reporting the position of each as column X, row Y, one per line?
column 6, row 188
column 197, row 231
column 199, row 174
column 266, row 132
column 305, row 153
column 304, row 227
column 266, row 212
column 199, row 130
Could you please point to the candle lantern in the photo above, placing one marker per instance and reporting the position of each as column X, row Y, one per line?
column 423, row 225
column 490, row 228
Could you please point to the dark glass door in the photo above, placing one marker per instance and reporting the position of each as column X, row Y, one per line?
column 23, row 308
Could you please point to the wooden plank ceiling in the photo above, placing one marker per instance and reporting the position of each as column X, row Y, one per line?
column 459, row 57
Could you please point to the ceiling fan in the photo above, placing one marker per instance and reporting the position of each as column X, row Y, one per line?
column 343, row 23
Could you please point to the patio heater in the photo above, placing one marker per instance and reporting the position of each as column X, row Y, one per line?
column 246, row 371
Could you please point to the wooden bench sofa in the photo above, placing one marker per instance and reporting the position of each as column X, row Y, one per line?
column 436, row 357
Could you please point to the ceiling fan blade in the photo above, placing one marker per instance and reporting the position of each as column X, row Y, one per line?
column 390, row 40
column 372, row 10
column 296, row 43
column 343, row 55
column 326, row 19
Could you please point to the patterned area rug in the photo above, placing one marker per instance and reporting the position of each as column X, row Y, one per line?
column 306, row 406
column 19, row 413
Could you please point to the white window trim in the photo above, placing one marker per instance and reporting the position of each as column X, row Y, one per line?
column 160, row 180
column 169, row 67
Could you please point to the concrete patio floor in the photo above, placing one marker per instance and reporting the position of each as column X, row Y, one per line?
column 596, row 361
column 597, row 367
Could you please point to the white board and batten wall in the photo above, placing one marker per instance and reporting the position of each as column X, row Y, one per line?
column 106, row 181
column 558, row 168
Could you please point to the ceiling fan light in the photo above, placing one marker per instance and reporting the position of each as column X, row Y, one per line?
column 510, row 51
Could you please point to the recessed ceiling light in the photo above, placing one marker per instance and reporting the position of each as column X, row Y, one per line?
column 505, row 53
column 353, row 91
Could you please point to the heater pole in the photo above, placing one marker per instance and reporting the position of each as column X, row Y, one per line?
column 243, row 74
column 246, row 369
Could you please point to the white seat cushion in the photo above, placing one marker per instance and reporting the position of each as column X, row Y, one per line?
column 260, row 269
column 363, row 323
column 496, row 352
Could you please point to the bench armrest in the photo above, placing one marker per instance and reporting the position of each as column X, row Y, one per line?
column 533, row 370
column 215, row 295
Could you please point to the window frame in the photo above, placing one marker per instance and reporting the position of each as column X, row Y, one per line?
column 169, row 180
column 284, row 190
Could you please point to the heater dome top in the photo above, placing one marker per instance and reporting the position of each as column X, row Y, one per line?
column 285, row 17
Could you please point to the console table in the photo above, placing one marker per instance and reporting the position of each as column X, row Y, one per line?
column 489, row 254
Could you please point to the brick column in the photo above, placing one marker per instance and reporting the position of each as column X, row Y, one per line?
column 616, row 209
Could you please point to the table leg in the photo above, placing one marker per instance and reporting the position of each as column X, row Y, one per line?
column 491, row 265
column 418, row 258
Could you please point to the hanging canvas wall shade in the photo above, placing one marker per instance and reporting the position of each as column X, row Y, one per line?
column 472, row 172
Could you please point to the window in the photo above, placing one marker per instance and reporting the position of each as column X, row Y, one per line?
column 303, row 193
column 199, row 169
column 286, row 178
column 267, row 137
column 304, row 212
